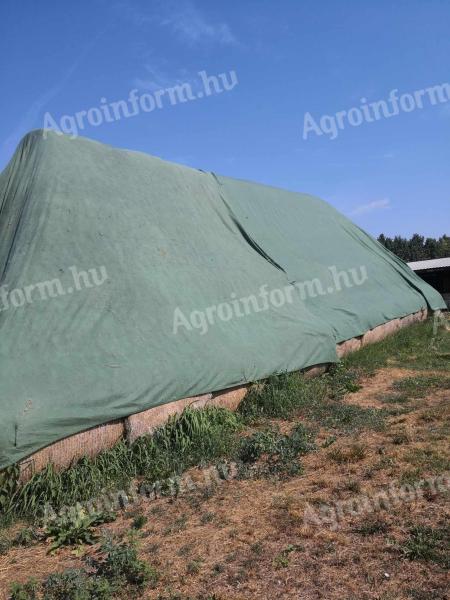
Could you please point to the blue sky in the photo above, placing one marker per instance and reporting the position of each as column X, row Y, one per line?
column 290, row 58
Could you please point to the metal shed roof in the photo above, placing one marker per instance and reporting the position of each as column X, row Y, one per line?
column 428, row 265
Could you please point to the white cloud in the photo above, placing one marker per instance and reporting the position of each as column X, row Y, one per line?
column 184, row 20
column 375, row 205
column 191, row 26
column 156, row 78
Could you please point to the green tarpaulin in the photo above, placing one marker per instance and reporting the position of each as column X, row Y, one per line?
column 128, row 282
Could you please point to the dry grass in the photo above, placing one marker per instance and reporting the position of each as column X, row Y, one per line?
column 248, row 538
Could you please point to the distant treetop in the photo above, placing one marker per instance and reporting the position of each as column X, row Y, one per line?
column 417, row 248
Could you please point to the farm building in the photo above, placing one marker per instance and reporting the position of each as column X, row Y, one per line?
column 436, row 273
column 131, row 284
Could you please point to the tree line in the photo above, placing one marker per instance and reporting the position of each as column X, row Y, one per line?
column 418, row 247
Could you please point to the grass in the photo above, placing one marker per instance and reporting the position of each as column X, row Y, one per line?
column 25, row 538
column 123, row 566
column 427, row 459
column 76, row 584
column 353, row 453
column 270, row 442
column 194, row 438
column 193, row 567
column 400, row 437
column 318, row 400
column 419, row 387
column 206, row 517
column 26, row 591
column 178, row 525
column 139, row 521
column 372, row 526
column 118, row 571
column 428, row 544
column 396, row 398
column 414, row 347
column 199, row 437
column 186, row 440
column 280, row 452
column 281, row 396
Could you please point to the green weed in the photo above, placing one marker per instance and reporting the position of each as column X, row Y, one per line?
column 280, row 451
column 281, row 561
column 428, row 544
column 77, row 584
column 123, row 566
column 317, row 400
column 189, row 439
column 24, row 591
column 281, row 395
column 75, row 527
column 371, row 527
column 419, row 387
column 427, row 459
column 193, row 567
column 342, row 381
column 139, row 521
column 414, row 347
column 353, row 453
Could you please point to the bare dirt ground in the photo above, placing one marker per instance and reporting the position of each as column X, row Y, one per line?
column 251, row 539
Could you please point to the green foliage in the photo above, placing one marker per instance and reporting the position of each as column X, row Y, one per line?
column 416, row 347
column 428, row 544
column 26, row 537
column 280, row 396
column 75, row 526
column 9, row 485
column 353, row 453
column 24, row 591
column 178, row 525
column 344, row 417
column 123, row 566
column 192, row 438
column 285, row 447
column 417, row 248
column 371, row 527
column 77, row 584
column 317, row 399
column 282, row 559
column 342, row 381
column 427, row 459
column 419, row 387
column 139, row 521
column 193, row 567
column 119, row 571
column 5, row 544
column 257, row 548
column 298, row 443
column 280, row 451
column 189, row 439
column 206, row 517
column 198, row 437
column 254, row 446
